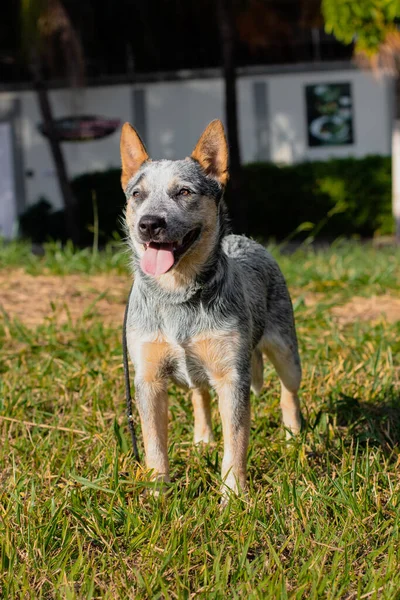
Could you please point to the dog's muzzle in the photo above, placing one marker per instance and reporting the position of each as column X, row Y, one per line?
column 160, row 257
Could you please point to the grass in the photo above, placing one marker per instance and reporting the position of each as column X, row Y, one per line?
column 321, row 518
column 67, row 260
column 345, row 267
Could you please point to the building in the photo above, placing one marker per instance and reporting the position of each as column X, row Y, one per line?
column 287, row 113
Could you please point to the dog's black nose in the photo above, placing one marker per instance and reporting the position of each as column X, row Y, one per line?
column 151, row 226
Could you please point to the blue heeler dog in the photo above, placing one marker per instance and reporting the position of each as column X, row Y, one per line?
column 204, row 306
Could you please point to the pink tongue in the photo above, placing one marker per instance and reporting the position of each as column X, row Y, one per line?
column 157, row 259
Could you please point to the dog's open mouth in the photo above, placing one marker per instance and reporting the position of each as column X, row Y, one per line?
column 159, row 258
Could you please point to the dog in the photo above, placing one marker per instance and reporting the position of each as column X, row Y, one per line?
column 205, row 305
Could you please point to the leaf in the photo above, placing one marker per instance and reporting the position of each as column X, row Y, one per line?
column 92, row 485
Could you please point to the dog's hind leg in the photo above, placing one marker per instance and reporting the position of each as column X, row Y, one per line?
column 283, row 354
column 257, row 371
column 202, row 416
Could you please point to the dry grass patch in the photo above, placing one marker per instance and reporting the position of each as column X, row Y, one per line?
column 376, row 308
column 34, row 298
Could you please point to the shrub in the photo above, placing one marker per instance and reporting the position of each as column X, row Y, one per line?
column 346, row 196
column 350, row 196
column 103, row 188
column 40, row 222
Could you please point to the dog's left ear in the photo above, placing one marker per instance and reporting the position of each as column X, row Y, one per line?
column 211, row 152
column 133, row 153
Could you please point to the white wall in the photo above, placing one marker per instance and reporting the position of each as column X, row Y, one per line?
column 81, row 157
column 288, row 116
column 178, row 111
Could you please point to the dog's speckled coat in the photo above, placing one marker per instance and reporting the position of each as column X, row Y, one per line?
column 208, row 320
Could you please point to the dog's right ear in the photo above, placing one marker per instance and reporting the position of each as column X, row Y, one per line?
column 133, row 153
column 211, row 152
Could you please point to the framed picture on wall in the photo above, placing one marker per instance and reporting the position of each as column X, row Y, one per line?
column 329, row 114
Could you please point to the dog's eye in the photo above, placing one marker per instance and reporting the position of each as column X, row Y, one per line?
column 184, row 192
column 136, row 194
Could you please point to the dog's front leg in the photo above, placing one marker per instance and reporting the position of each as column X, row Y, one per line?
column 234, row 407
column 152, row 402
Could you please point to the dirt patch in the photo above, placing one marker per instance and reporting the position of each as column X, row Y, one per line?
column 359, row 308
column 32, row 299
column 368, row 309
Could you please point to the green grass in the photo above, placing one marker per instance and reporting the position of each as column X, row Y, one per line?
column 59, row 260
column 321, row 518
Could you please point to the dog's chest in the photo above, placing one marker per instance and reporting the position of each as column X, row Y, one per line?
column 191, row 347
column 185, row 367
column 193, row 362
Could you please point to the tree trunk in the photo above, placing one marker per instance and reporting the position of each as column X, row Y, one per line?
column 396, row 161
column 69, row 200
column 227, row 31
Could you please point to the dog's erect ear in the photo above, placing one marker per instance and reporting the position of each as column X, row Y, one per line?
column 211, row 152
column 133, row 153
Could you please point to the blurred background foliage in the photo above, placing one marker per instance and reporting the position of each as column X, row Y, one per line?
column 69, row 41
column 323, row 196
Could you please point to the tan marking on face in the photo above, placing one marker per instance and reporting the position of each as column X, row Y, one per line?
column 191, row 264
column 131, row 214
column 173, row 184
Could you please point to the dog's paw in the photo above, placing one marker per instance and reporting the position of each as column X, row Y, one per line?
column 158, row 484
column 233, row 486
column 203, row 437
column 294, row 428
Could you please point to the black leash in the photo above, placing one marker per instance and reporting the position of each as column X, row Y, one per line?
column 128, row 384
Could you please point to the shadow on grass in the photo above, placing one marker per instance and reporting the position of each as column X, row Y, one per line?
column 376, row 423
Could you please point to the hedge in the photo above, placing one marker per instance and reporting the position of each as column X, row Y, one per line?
column 344, row 196
column 347, row 197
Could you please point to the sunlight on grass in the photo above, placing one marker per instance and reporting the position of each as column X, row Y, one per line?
column 321, row 518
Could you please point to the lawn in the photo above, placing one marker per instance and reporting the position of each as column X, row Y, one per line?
column 321, row 517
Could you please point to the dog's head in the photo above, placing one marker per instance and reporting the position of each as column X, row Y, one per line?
column 173, row 207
